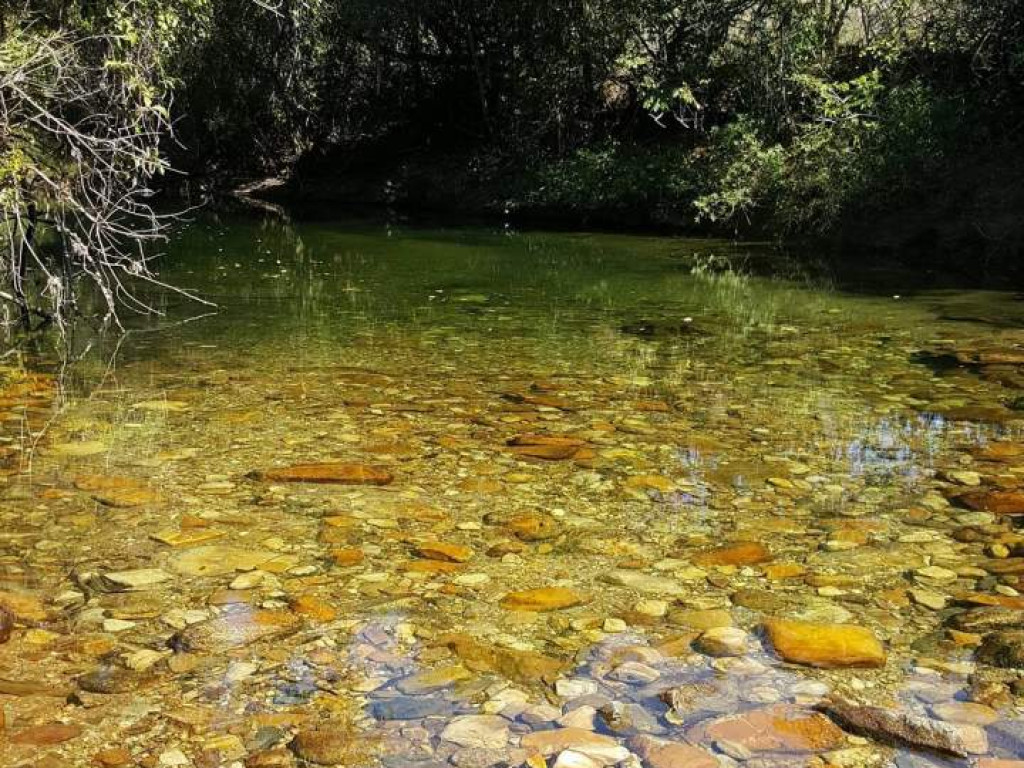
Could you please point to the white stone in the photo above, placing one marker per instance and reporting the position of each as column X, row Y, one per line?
column 634, row 673
column 479, row 731
column 655, row 608
column 614, row 625
column 173, row 758
column 137, row 580
column 572, row 759
column 641, row 582
column 249, row 580
column 145, row 659
column 240, row 670
column 574, row 688
column 929, row 599
column 117, row 625
column 723, row 641
column 584, row 717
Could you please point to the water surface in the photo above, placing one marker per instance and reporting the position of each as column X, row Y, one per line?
column 662, row 442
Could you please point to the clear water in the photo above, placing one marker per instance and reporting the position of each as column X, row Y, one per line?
column 710, row 407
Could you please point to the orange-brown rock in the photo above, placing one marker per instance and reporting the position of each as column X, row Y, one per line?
column 533, row 527
column 24, row 607
column 346, row 558
column 314, row 608
column 783, row 571
column 650, row 482
column 120, row 492
column 541, row 600
column 432, row 566
column 777, row 729
column 331, row 473
column 745, row 553
column 113, row 758
column 6, row 625
column 444, row 551
column 544, row 401
column 606, row 748
column 1001, row 452
column 46, row 735
column 825, row 645
column 996, row 502
column 546, row 452
column 271, row 758
column 561, row 440
column 981, row 598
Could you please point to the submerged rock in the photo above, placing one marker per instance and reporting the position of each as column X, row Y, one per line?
column 432, row 680
column 641, row 582
column 1010, row 503
column 723, row 641
column 221, row 560
column 825, row 645
column 524, row 667
column 1003, row 649
column 108, row 680
column 236, row 629
column 113, row 491
column 603, row 749
column 24, row 607
column 544, row 599
column 327, row 473
column 138, row 580
column 6, row 625
column 444, row 551
column 46, row 735
column 411, row 708
column 780, row 728
column 659, row 753
column 747, row 553
column 896, row 727
column 480, row 731
column 326, row 746
column 534, row 527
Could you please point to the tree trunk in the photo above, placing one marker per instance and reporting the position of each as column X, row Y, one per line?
column 27, row 244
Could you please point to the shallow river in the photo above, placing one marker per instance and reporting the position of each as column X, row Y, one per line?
column 480, row 498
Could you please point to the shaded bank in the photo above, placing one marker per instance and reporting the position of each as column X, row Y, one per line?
column 960, row 227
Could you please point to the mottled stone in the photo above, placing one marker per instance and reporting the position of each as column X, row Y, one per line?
column 325, row 745
column 898, row 727
column 779, row 728
column 1003, row 649
column 238, row 628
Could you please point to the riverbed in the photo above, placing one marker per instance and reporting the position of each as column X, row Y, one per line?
column 483, row 497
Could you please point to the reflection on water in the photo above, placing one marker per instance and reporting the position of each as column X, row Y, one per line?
column 466, row 498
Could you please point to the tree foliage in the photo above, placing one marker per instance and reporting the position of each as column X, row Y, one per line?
column 84, row 111
column 785, row 114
